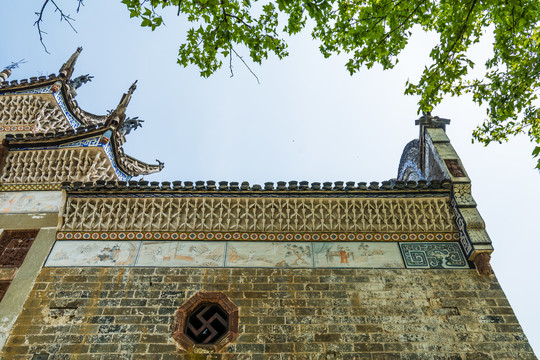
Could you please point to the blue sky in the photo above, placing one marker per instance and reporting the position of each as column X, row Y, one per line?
column 307, row 120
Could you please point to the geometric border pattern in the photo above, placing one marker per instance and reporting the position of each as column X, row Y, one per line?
column 30, row 187
column 252, row 236
column 60, row 100
column 433, row 255
column 15, row 128
column 109, row 151
column 464, row 239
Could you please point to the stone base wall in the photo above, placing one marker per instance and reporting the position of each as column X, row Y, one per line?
column 128, row 313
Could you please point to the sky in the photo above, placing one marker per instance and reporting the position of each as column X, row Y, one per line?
column 308, row 119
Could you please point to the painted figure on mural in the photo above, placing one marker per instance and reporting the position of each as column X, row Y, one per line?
column 297, row 252
column 350, row 254
column 342, row 253
column 108, row 253
column 329, row 257
column 299, row 258
column 344, row 256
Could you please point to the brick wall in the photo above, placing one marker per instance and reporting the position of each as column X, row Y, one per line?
column 127, row 313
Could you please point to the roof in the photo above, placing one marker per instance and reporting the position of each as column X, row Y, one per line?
column 82, row 124
column 269, row 187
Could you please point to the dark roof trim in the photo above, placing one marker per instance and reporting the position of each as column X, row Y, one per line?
column 281, row 186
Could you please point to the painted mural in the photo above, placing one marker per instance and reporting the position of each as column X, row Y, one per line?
column 268, row 254
column 30, row 201
column 93, row 253
column 181, row 253
column 358, row 255
column 238, row 254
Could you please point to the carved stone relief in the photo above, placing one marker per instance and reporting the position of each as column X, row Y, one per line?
column 260, row 214
column 55, row 166
column 32, row 110
column 462, row 194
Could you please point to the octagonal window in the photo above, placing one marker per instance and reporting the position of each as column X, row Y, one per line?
column 207, row 324
column 208, row 319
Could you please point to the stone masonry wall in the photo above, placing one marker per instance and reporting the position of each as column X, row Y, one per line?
column 127, row 313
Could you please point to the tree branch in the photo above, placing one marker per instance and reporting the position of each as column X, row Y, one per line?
column 230, row 63
column 251, row 71
column 387, row 35
column 382, row 18
column 226, row 20
column 63, row 16
column 462, row 30
column 38, row 24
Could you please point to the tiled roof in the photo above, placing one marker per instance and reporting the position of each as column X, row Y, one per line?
column 10, row 85
column 92, row 124
column 280, row 186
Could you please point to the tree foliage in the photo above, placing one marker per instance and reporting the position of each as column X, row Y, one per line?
column 375, row 32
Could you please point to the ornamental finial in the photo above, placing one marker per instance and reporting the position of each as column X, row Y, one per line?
column 67, row 69
column 124, row 102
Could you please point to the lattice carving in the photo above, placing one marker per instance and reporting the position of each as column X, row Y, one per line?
column 462, row 194
column 260, row 214
column 32, row 110
column 14, row 246
column 55, row 166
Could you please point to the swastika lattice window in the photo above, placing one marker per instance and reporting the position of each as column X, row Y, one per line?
column 207, row 324
column 208, row 319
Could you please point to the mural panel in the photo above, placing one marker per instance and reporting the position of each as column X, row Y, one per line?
column 361, row 255
column 234, row 254
column 93, row 253
column 181, row 253
column 268, row 254
column 30, row 201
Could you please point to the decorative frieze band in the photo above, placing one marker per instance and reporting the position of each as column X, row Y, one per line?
column 262, row 214
column 257, row 254
column 57, row 165
column 30, row 187
column 252, row 236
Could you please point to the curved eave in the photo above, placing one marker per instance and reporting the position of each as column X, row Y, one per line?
column 83, row 117
column 129, row 164
column 145, row 169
